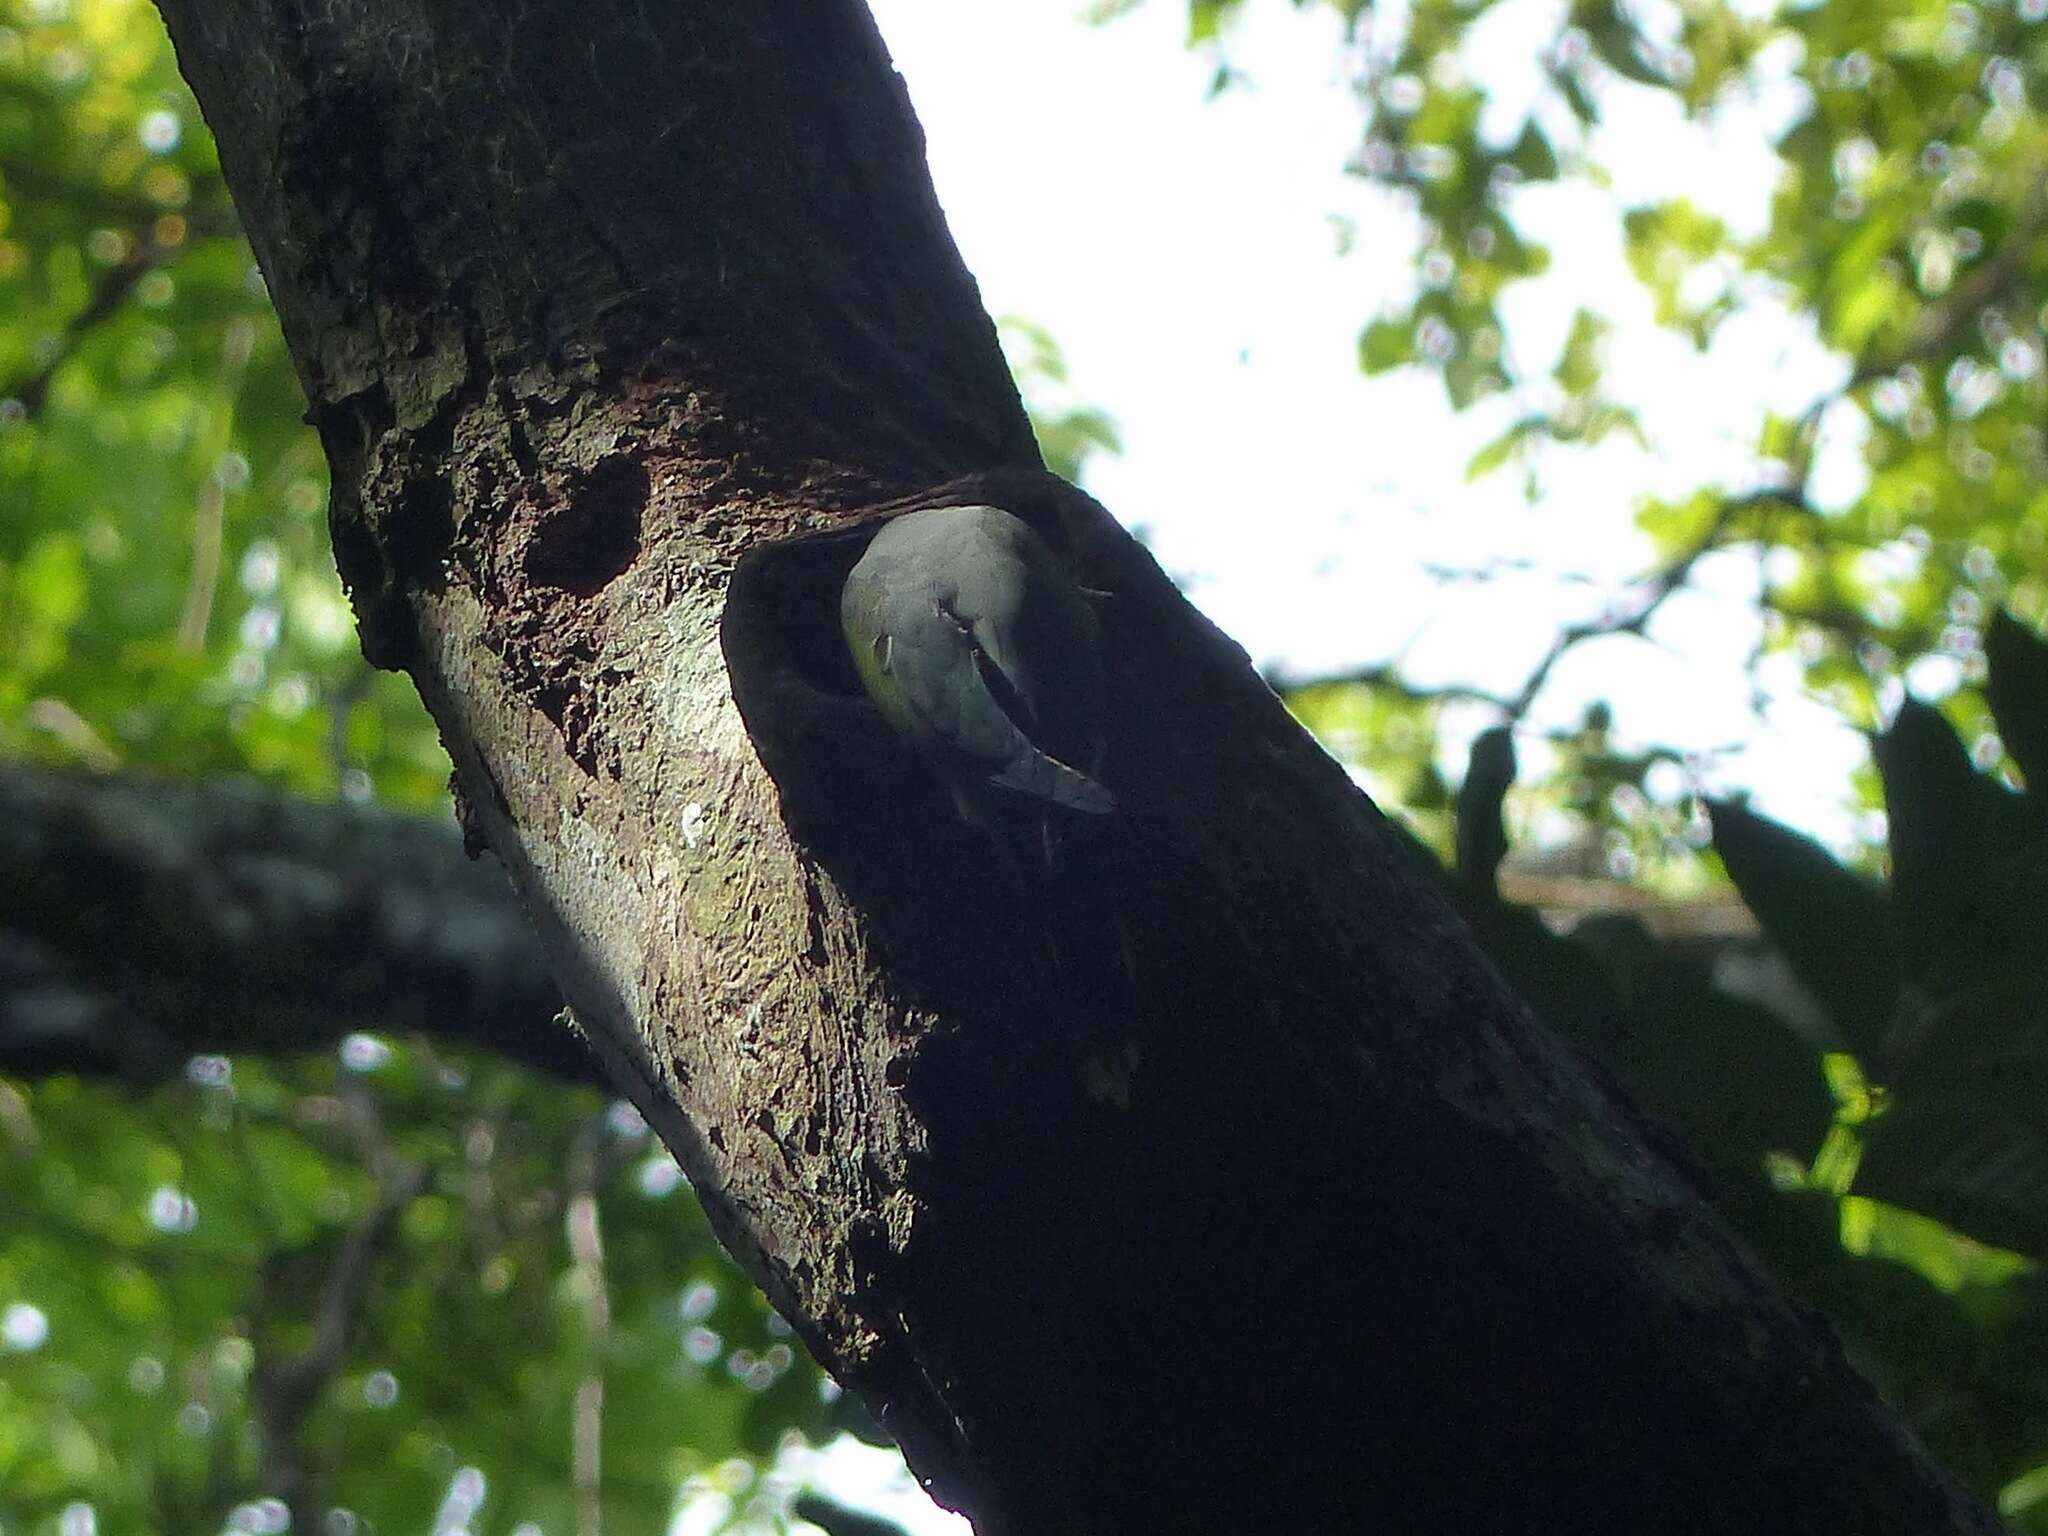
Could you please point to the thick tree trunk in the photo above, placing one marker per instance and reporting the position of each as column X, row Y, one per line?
column 1229, row 1191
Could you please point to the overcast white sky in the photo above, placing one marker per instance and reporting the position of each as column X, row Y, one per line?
column 1188, row 254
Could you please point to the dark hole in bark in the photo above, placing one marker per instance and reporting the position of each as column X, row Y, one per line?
column 423, row 531
column 842, row 772
column 785, row 608
column 586, row 545
column 870, row 808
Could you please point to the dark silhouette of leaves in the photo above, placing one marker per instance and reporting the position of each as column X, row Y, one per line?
column 1955, row 838
column 1833, row 924
column 2017, row 690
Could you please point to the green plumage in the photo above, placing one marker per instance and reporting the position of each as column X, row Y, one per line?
column 975, row 643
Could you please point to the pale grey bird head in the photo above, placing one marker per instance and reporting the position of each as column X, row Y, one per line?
column 976, row 644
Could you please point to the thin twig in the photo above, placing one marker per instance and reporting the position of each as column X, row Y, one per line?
column 208, row 525
column 586, row 1252
column 209, row 522
column 1654, row 592
column 1937, row 329
column 287, row 1387
column 72, row 728
column 1386, row 677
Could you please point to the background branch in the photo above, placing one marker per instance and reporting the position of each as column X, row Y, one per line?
column 144, row 922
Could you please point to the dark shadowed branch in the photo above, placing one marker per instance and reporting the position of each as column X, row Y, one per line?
column 144, row 922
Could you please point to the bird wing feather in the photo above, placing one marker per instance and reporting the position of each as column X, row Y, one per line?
column 1021, row 764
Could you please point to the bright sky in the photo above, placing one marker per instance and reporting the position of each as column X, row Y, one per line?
column 1206, row 266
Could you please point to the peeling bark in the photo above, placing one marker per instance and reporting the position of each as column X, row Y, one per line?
column 610, row 316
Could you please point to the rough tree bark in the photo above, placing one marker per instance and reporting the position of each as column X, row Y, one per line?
column 610, row 316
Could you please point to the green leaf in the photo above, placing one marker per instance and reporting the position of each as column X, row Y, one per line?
column 2017, row 688
column 1616, row 42
column 1386, row 344
column 1532, row 155
column 1976, row 1166
column 1205, row 19
column 1833, row 925
column 1578, row 368
column 1504, row 447
column 1866, row 307
column 1965, row 855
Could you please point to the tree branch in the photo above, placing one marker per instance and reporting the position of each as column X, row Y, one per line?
column 144, row 922
column 586, row 1254
column 1652, row 593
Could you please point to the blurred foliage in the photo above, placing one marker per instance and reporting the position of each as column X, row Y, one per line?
column 1907, row 182
column 168, row 1259
column 166, row 593
column 1873, row 1122
column 503, row 1248
column 1069, row 429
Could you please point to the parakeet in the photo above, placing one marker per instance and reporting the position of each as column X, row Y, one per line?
column 976, row 645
